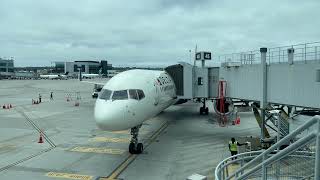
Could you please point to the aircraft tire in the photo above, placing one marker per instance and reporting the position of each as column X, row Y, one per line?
column 139, row 148
column 201, row 110
column 131, row 148
column 207, row 111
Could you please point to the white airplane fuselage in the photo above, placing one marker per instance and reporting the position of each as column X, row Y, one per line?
column 90, row 75
column 54, row 76
column 114, row 111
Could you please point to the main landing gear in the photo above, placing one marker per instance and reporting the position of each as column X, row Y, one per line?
column 135, row 147
column 204, row 109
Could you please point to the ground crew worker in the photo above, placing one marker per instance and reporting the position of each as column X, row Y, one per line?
column 233, row 147
column 51, row 96
column 39, row 98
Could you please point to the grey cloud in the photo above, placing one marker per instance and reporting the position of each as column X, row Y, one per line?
column 149, row 32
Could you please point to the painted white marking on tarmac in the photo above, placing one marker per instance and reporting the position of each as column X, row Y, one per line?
column 110, row 139
column 68, row 176
column 98, row 150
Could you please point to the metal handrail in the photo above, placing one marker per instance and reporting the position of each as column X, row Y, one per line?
column 285, row 140
column 303, row 53
column 250, row 155
column 287, row 150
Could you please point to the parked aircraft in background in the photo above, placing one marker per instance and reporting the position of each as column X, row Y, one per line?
column 89, row 76
column 55, row 76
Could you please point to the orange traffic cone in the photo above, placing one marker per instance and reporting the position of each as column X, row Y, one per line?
column 238, row 120
column 40, row 138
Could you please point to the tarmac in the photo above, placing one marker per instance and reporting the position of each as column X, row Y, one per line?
column 178, row 142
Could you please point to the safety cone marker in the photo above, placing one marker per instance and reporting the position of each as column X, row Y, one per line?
column 238, row 120
column 40, row 138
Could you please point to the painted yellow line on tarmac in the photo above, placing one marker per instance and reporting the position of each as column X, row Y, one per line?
column 128, row 132
column 69, row 176
column 110, row 139
column 7, row 146
column 121, row 132
column 98, row 150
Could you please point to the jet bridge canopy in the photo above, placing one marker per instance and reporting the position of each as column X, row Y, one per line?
column 194, row 82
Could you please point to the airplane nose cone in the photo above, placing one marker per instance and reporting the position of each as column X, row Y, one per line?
column 109, row 115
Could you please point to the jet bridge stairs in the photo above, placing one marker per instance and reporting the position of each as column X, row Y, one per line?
column 300, row 160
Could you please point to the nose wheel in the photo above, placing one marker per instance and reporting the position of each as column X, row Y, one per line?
column 135, row 147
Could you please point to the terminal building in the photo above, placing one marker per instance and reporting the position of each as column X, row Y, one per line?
column 86, row 67
column 6, row 68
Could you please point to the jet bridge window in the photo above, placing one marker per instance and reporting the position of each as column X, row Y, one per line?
column 133, row 94
column 140, row 94
column 120, row 95
column 105, row 94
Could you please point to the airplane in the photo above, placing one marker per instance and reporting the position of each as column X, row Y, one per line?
column 89, row 76
column 132, row 97
column 55, row 76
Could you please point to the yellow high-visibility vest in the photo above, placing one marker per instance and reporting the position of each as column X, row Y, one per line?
column 233, row 146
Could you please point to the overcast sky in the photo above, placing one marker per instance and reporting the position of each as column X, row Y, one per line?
column 147, row 32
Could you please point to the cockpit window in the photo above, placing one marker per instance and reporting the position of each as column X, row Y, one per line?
column 133, row 94
column 120, row 95
column 140, row 94
column 105, row 94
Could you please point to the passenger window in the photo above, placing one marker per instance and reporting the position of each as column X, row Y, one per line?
column 105, row 94
column 133, row 94
column 120, row 95
column 140, row 94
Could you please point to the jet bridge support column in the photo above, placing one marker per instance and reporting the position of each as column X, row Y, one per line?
column 263, row 101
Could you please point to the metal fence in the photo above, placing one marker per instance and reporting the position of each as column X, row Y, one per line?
column 299, row 160
column 302, row 53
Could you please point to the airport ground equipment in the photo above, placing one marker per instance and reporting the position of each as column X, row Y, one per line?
column 299, row 160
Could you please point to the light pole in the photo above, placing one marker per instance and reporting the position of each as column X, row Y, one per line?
column 190, row 56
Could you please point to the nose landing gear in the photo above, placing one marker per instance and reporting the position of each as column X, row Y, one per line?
column 135, row 147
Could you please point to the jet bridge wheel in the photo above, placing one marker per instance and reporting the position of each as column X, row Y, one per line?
column 204, row 110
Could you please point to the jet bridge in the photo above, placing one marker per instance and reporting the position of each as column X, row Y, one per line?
column 271, row 79
column 291, row 78
column 194, row 82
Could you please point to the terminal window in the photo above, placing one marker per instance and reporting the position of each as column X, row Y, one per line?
column 75, row 68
